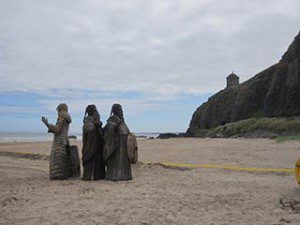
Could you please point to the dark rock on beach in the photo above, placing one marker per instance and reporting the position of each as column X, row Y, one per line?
column 72, row 137
column 171, row 135
column 167, row 135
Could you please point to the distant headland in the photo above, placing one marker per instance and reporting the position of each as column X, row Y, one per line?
column 272, row 93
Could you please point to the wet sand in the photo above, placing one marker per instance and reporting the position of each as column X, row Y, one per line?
column 157, row 195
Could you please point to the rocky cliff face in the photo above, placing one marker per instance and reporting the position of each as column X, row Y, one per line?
column 274, row 92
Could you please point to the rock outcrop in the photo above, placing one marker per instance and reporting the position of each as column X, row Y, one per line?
column 274, row 92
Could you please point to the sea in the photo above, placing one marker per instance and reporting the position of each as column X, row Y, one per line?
column 40, row 137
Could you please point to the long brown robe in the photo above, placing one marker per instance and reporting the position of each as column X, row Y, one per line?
column 92, row 150
column 118, row 167
column 58, row 156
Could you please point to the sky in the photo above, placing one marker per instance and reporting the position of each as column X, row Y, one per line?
column 159, row 59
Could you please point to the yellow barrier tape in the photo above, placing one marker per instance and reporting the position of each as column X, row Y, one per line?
column 170, row 164
column 213, row 166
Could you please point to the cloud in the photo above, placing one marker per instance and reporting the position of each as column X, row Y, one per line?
column 46, row 103
column 151, row 56
column 8, row 109
column 142, row 46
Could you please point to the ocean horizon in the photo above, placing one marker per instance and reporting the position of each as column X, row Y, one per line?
column 43, row 136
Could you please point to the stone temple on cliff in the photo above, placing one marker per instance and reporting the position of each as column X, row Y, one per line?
column 232, row 80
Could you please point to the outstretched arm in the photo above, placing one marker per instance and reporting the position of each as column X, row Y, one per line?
column 55, row 129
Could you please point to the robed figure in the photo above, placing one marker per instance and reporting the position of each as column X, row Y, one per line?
column 59, row 165
column 118, row 166
column 92, row 149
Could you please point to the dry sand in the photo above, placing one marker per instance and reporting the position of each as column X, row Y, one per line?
column 157, row 195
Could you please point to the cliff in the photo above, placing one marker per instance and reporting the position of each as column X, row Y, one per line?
column 274, row 92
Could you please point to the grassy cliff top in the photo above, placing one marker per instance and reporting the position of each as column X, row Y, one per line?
column 255, row 127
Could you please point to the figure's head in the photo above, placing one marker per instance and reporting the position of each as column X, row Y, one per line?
column 62, row 111
column 91, row 110
column 62, row 107
column 117, row 110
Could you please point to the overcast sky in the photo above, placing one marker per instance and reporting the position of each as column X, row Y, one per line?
column 159, row 59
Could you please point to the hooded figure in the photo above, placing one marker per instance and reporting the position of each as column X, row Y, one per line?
column 58, row 156
column 92, row 149
column 115, row 149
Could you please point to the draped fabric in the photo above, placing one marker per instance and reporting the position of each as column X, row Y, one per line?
column 92, row 150
column 115, row 150
column 58, row 155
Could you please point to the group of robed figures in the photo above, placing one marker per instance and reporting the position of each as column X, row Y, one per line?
column 107, row 152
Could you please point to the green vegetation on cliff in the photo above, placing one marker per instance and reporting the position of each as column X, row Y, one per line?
column 281, row 139
column 255, row 127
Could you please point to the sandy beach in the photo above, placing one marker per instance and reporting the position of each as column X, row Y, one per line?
column 157, row 195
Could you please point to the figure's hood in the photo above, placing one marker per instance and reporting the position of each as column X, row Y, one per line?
column 66, row 116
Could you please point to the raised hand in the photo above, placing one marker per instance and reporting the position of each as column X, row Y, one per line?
column 45, row 121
